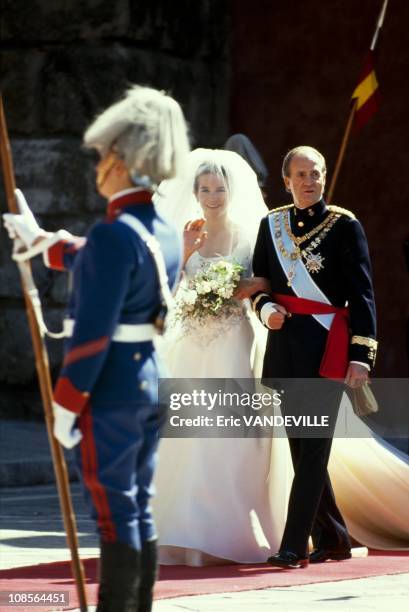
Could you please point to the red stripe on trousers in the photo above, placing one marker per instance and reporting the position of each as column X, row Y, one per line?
column 90, row 473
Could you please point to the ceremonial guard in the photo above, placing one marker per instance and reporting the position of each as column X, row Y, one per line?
column 106, row 397
column 321, row 317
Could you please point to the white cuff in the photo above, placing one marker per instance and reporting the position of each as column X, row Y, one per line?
column 266, row 311
column 362, row 363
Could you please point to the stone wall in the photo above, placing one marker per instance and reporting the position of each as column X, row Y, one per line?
column 61, row 63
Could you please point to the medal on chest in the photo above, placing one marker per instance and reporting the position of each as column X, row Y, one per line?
column 313, row 261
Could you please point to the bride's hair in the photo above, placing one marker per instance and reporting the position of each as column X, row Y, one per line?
column 209, row 167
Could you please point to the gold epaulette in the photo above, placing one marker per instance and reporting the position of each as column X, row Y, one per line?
column 341, row 211
column 286, row 207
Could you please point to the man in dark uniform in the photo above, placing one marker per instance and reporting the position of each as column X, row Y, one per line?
column 321, row 317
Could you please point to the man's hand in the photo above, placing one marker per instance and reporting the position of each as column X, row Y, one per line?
column 248, row 286
column 276, row 319
column 194, row 237
column 23, row 226
column 357, row 375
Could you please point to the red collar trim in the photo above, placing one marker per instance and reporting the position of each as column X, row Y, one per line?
column 116, row 205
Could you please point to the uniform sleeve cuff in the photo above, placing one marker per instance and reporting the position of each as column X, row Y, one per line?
column 265, row 313
column 362, row 363
column 363, row 349
column 53, row 253
column 69, row 397
column 257, row 298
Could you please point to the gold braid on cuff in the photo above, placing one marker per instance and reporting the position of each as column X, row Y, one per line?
column 258, row 298
column 369, row 342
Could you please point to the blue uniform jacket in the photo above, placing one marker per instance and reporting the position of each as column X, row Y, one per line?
column 114, row 281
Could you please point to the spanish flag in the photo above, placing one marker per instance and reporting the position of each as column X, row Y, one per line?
column 366, row 94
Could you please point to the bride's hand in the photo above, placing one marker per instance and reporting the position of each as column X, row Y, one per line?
column 248, row 286
column 194, row 237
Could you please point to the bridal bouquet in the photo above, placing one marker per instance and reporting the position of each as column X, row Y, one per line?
column 209, row 291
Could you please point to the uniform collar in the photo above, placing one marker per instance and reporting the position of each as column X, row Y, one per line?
column 314, row 211
column 304, row 219
column 127, row 197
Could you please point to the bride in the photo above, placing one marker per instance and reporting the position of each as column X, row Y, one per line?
column 213, row 500
column 226, row 499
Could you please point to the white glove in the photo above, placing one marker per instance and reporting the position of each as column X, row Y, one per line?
column 64, row 426
column 24, row 225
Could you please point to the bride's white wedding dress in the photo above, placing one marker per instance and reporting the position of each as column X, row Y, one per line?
column 371, row 482
column 213, row 499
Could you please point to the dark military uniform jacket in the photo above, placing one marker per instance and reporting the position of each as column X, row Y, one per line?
column 340, row 268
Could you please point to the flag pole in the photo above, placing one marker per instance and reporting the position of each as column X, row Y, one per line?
column 341, row 152
column 379, row 24
column 351, row 116
column 44, row 378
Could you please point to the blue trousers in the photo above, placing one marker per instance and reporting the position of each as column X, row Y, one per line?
column 116, row 459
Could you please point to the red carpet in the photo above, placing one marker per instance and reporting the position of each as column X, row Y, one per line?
column 180, row 580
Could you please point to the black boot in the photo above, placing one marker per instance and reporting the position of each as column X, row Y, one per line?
column 119, row 578
column 149, row 564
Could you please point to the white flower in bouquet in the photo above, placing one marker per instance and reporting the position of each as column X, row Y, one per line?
column 190, row 296
column 210, row 291
column 224, row 292
column 203, row 287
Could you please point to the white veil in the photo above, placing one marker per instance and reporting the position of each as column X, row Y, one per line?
column 175, row 198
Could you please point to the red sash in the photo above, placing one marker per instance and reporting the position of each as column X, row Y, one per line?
column 335, row 360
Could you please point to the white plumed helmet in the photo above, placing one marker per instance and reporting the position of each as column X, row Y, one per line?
column 147, row 130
